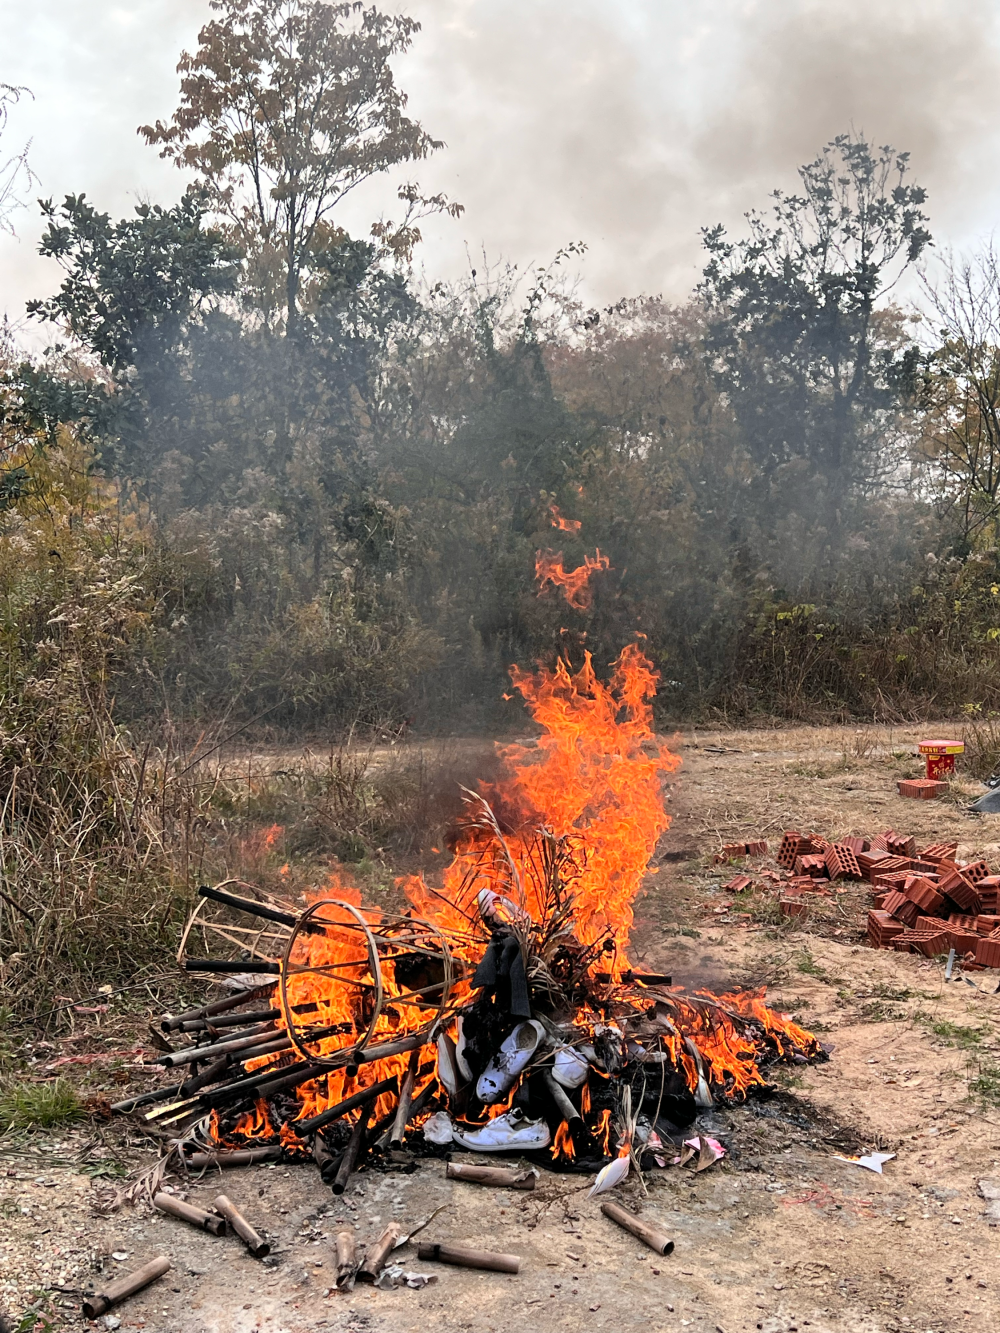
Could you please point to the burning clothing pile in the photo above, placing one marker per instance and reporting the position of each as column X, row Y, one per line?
column 499, row 1012
column 925, row 901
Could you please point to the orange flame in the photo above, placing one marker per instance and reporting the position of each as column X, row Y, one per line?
column 575, row 583
column 564, row 524
column 562, row 1144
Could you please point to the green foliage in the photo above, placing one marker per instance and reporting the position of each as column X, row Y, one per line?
column 26, row 1105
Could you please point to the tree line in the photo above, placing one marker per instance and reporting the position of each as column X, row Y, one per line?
column 318, row 483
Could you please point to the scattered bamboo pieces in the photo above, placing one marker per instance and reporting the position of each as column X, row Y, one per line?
column 376, row 1255
column 115, row 1292
column 645, row 1231
column 218, row 1007
column 239, row 1157
column 187, row 1212
column 347, row 1260
column 465, row 1257
column 257, row 1245
column 490, row 1175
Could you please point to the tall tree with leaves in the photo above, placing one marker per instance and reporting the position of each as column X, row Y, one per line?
column 286, row 107
column 805, row 350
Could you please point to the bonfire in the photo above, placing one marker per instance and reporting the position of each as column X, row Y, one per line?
column 500, row 1012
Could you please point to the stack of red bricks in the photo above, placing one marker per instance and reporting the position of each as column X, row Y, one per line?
column 925, row 900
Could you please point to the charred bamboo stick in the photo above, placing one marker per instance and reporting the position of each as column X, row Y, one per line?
column 265, row 1083
column 558, row 1094
column 238, row 1157
column 215, row 1071
column 490, row 1175
column 377, row 1253
column 645, row 1231
column 257, row 1245
column 147, row 1099
column 324, row 1159
column 347, row 1258
column 227, row 1020
column 354, row 1059
column 187, row 1212
column 235, row 965
column 353, row 1149
column 238, row 1042
column 348, row 1104
column 415, row 1108
column 405, row 1101
column 247, row 905
column 114, row 1292
column 217, row 1007
column 465, row 1257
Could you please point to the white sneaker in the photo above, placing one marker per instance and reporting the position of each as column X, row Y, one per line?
column 507, row 1133
column 569, row 1067
column 460, row 1060
column 510, row 1062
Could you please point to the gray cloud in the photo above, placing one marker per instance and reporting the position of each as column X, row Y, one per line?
column 625, row 123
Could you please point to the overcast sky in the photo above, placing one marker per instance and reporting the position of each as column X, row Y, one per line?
column 627, row 124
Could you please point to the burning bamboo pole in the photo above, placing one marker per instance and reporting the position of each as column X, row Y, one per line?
column 115, row 1292
column 187, row 1212
column 332, row 1113
column 232, row 965
column 649, row 1235
column 490, row 1175
column 240, row 1042
column 377, row 1253
column 256, row 1244
column 265, row 1083
column 466, row 1257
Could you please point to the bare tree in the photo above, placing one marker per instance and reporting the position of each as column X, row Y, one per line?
column 15, row 172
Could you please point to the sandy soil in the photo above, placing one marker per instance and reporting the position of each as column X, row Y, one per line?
column 781, row 1236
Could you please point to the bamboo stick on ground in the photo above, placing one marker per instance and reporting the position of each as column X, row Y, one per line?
column 353, row 1149
column 347, row 1258
column 238, row 1157
column 114, row 1292
column 466, row 1257
column 376, row 1255
column 257, row 1245
column 147, row 1099
column 231, row 965
column 490, row 1175
column 649, row 1234
column 187, row 1212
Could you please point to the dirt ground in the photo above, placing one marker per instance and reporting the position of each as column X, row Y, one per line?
column 781, row 1236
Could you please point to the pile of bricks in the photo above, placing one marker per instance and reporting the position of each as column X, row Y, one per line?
column 925, row 901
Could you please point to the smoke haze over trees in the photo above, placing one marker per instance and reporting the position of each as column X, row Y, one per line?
column 330, row 476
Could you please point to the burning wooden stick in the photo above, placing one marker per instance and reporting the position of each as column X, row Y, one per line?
column 347, row 1259
column 187, row 1212
column 96, row 1305
column 239, row 1157
column 465, row 1257
column 490, row 1175
column 376, row 1255
column 353, row 1149
column 348, row 1104
column 649, row 1235
column 405, row 1101
column 257, row 1246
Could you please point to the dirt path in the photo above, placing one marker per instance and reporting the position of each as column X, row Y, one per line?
column 780, row 1237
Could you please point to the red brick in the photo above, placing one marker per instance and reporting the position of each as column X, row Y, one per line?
column 901, row 845
column 868, row 860
column 962, row 921
column 901, row 908
column 976, row 871
column 939, row 851
column 811, row 864
column 988, row 953
column 929, row 923
column 841, row 862
column 737, row 884
column 961, row 892
column 924, row 894
column 921, row 789
column 758, row 848
column 793, row 907
column 793, row 844
column 986, row 924
column 963, row 941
